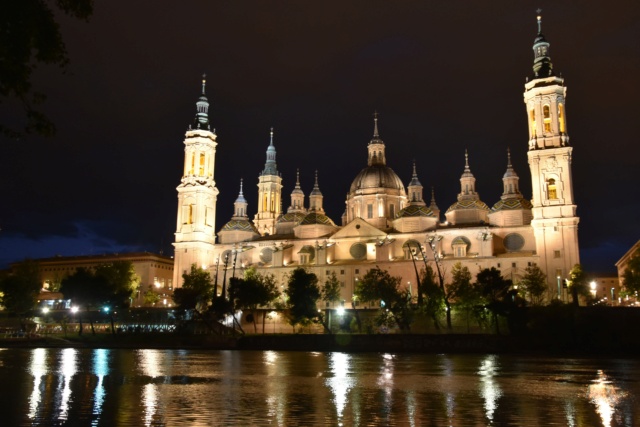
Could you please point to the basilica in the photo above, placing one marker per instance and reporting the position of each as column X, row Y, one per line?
column 385, row 223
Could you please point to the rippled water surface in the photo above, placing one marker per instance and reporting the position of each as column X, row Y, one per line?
column 228, row 388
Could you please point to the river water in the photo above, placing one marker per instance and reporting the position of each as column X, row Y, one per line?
column 101, row 387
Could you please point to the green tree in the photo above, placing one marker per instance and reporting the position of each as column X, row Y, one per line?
column 631, row 275
column 433, row 303
column 120, row 280
column 494, row 289
column 379, row 285
column 466, row 296
column 30, row 35
column 19, row 289
column 86, row 292
column 303, row 293
column 577, row 284
column 151, row 298
column 196, row 290
column 252, row 292
column 331, row 289
column 534, row 285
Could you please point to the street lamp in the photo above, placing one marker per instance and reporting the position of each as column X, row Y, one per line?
column 593, row 288
column 559, row 287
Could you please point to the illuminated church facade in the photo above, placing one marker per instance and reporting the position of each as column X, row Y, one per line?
column 386, row 224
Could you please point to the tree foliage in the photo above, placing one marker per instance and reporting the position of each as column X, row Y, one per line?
column 331, row 289
column 494, row 289
column 303, row 293
column 30, row 35
column 379, row 285
column 253, row 291
column 196, row 290
column 19, row 289
column 433, row 303
column 534, row 285
column 467, row 297
column 631, row 275
column 577, row 284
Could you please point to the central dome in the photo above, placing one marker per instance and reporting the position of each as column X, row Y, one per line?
column 375, row 177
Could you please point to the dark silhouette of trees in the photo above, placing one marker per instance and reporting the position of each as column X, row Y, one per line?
column 303, row 293
column 631, row 275
column 379, row 285
column 30, row 35
column 253, row 291
column 19, row 289
column 494, row 289
column 196, row 291
column 577, row 284
column 467, row 296
column 534, row 285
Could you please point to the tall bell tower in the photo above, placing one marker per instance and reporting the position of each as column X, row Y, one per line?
column 269, row 193
column 554, row 222
column 197, row 194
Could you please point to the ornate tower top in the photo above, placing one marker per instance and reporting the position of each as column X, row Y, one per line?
column 315, row 198
column 510, row 181
column 467, row 182
column 240, row 205
column 376, row 146
column 270, row 167
column 415, row 189
column 297, row 196
column 542, row 66
column 202, row 114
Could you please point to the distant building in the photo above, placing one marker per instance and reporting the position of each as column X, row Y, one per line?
column 386, row 224
column 621, row 265
column 154, row 271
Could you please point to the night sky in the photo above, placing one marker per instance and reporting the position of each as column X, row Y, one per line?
column 444, row 76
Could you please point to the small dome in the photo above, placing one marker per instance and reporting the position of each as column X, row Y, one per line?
column 316, row 218
column 511, row 204
column 468, row 204
column 461, row 240
column 377, row 176
column 414, row 210
column 239, row 225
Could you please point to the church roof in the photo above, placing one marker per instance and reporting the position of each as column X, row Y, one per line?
column 239, row 225
column 316, row 218
column 414, row 210
column 511, row 204
column 291, row 217
column 377, row 176
column 468, row 204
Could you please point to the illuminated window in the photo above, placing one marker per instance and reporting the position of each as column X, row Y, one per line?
column 190, row 214
column 551, row 189
column 380, row 208
column 546, row 113
column 193, row 163
column 201, row 171
column 561, row 117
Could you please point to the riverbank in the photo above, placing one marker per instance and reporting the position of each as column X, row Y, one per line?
column 392, row 343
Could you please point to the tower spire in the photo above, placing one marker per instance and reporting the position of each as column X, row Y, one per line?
column 542, row 66
column 375, row 125
column 270, row 167
column 315, row 197
column 202, row 108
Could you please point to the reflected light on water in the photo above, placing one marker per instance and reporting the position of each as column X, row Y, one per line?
column 489, row 388
column 340, row 383
column 276, row 390
column 100, row 369
column 38, row 368
column 68, row 370
column 385, row 380
column 150, row 365
column 606, row 396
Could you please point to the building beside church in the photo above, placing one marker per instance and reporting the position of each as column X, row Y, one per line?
column 386, row 223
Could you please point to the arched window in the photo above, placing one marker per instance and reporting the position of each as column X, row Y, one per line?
column 532, row 118
column 551, row 189
column 561, row 117
column 546, row 114
column 201, row 171
column 193, row 163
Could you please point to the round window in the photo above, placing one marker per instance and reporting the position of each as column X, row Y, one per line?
column 266, row 255
column 513, row 242
column 358, row 251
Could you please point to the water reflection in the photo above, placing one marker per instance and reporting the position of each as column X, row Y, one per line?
column 155, row 387
column 67, row 371
column 38, row 368
column 606, row 396
column 489, row 387
column 150, row 366
column 340, row 383
column 100, row 369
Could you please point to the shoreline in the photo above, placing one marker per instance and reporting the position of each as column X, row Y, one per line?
column 391, row 343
